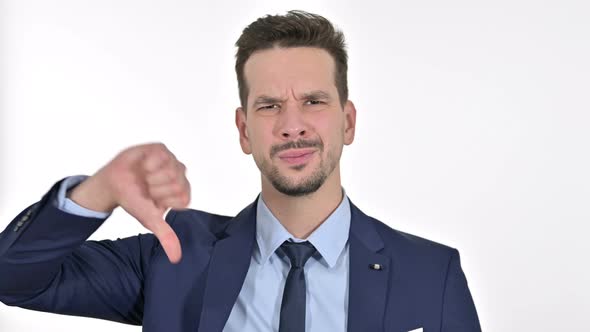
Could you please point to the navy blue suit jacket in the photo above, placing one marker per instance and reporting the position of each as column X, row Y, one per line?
column 47, row 264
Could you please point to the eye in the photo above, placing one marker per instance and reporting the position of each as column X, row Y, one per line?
column 315, row 102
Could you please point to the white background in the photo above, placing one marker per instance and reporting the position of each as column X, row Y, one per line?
column 472, row 127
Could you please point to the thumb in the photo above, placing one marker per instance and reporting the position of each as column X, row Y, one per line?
column 151, row 217
column 168, row 239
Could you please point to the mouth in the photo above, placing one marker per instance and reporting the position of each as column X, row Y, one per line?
column 297, row 156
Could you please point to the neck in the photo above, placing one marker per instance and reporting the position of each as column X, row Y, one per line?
column 302, row 215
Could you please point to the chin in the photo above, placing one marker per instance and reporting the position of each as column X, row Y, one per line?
column 298, row 186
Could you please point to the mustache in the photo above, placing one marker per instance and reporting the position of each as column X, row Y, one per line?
column 296, row 145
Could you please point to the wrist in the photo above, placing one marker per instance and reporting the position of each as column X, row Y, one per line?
column 92, row 194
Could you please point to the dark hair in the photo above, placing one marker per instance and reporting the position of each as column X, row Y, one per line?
column 295, row 29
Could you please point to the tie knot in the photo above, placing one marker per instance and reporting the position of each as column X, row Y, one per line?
column 298, row 253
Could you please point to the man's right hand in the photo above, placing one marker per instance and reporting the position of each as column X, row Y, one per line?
column 145, row 180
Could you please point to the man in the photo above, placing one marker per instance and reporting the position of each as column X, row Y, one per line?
column 301, row 257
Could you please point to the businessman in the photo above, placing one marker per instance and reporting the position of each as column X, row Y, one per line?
column 300, row 257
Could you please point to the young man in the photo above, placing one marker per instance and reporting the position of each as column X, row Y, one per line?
column 301, row 257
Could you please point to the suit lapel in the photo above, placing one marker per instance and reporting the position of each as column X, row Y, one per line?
column 228, row 266
column 368, row 287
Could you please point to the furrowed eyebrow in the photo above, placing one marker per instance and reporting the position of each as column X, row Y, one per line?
column 264, row 99
column 316, row 94
column 312, row 95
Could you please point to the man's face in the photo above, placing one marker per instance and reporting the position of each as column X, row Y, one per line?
column 295, row 126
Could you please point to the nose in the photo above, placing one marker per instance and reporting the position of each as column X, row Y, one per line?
column 291, row 124
column 293, row 133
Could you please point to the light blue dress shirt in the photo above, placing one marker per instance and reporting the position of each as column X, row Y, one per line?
column 258, row 306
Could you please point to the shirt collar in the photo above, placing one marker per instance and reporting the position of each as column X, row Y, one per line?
column 329, row 238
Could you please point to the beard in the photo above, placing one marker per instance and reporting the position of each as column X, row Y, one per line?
column 287, row 186
column 306, row 186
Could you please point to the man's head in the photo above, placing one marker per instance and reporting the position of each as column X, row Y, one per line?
column 295, row 29
column 291, row 73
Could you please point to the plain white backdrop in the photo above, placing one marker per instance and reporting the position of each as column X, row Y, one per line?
column 473, row 127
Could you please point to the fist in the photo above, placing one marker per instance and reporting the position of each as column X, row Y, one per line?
column 145, row 180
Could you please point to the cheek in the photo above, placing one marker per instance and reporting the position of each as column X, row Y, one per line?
column 260, row 143
column 331, row 129
column 333, row 137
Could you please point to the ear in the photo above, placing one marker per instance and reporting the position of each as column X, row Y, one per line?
column 349, row 122
column 242, row 130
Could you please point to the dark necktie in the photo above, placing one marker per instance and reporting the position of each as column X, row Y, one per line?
column 293, row 305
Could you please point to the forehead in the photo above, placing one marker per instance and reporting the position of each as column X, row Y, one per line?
column 278, row 71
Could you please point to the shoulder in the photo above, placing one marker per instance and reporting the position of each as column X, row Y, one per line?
column 410, row 250
column 197, row 224
column 403, row 240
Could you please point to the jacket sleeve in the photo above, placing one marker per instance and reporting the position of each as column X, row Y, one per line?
column 458, row 312
column 47, row 264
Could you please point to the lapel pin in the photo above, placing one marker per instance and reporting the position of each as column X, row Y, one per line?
column 376, row 266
